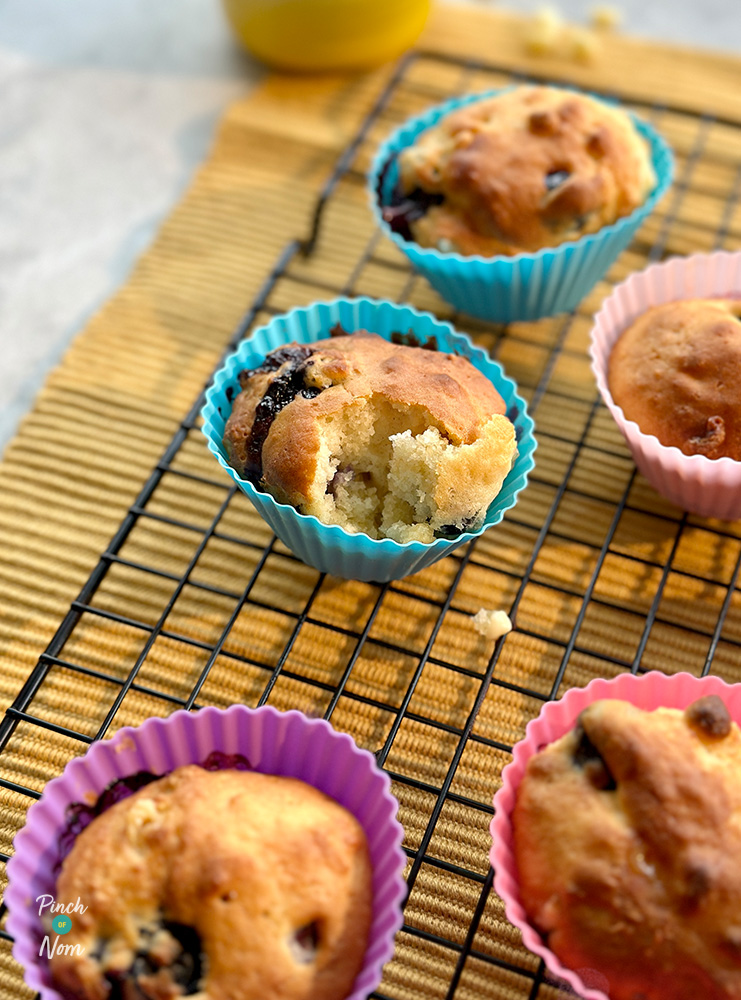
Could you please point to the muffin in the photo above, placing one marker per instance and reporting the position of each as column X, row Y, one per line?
column 676, row 372
column 525, row 169
column 226, row 884
column 627, row 840
column 329, row 547
column 378, row 437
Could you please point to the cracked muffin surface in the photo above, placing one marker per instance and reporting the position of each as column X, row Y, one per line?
column 223, row 885
column 627, row 836
column 676, row 372
column 529, row 168
column 391, row 440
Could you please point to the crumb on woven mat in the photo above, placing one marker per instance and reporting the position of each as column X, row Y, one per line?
column 544, row 31
column 547, row 33
column 605, row 17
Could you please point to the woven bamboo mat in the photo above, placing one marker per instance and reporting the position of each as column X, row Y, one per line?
column 620, row 578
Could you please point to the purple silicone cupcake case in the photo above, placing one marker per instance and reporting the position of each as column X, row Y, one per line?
column 263, row 739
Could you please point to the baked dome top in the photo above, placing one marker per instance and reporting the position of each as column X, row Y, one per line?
column 228, row 885
column 529, row 168
column 385, row 438
column 627, row 835
column 676, row 371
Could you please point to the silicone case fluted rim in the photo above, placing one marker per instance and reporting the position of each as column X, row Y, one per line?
column 287, row 743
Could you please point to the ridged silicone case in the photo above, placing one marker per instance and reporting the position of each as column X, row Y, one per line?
column 284, row 743
column 328, row 547
column 528, row 285
column 652, row 690
column 709, row 487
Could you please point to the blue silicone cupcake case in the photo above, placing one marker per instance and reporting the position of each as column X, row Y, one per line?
column 526, row 286
column 329, row 547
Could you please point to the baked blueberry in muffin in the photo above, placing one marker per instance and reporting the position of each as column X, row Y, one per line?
column 223, row 885
column 676, row 372
column 627, row 838
column 384, row 438
column 529, row 168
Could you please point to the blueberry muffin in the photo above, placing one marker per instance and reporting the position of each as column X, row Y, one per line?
column 224, row 885
column 627, row 838
column 529, row 168
column 676, row 372
column 388, row 439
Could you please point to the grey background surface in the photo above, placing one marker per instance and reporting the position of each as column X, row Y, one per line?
column 106, row 109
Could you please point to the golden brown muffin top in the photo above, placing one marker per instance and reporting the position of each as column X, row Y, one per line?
column 229, row 884
column 676, row 371
column 628, row 846
column 529, row 168
column 447, row 389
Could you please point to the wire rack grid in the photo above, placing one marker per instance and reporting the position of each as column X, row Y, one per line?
column 194, row 602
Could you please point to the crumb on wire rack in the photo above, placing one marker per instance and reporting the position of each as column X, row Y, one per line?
column 491, row 624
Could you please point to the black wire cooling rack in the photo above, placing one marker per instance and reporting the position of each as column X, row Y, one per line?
column 700, row 212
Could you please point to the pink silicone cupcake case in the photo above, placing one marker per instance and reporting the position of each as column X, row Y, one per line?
column 652, row 690
column 709, row 487
column 286, row 743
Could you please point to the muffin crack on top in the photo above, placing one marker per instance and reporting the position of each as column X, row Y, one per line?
column 376, row 436
column 528, row 168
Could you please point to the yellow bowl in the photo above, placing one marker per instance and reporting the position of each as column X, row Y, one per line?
column 326, row 34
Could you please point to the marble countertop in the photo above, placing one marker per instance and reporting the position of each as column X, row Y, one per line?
column 106, row 111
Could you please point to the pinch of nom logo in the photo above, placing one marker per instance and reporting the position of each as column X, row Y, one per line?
column 61, row 924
